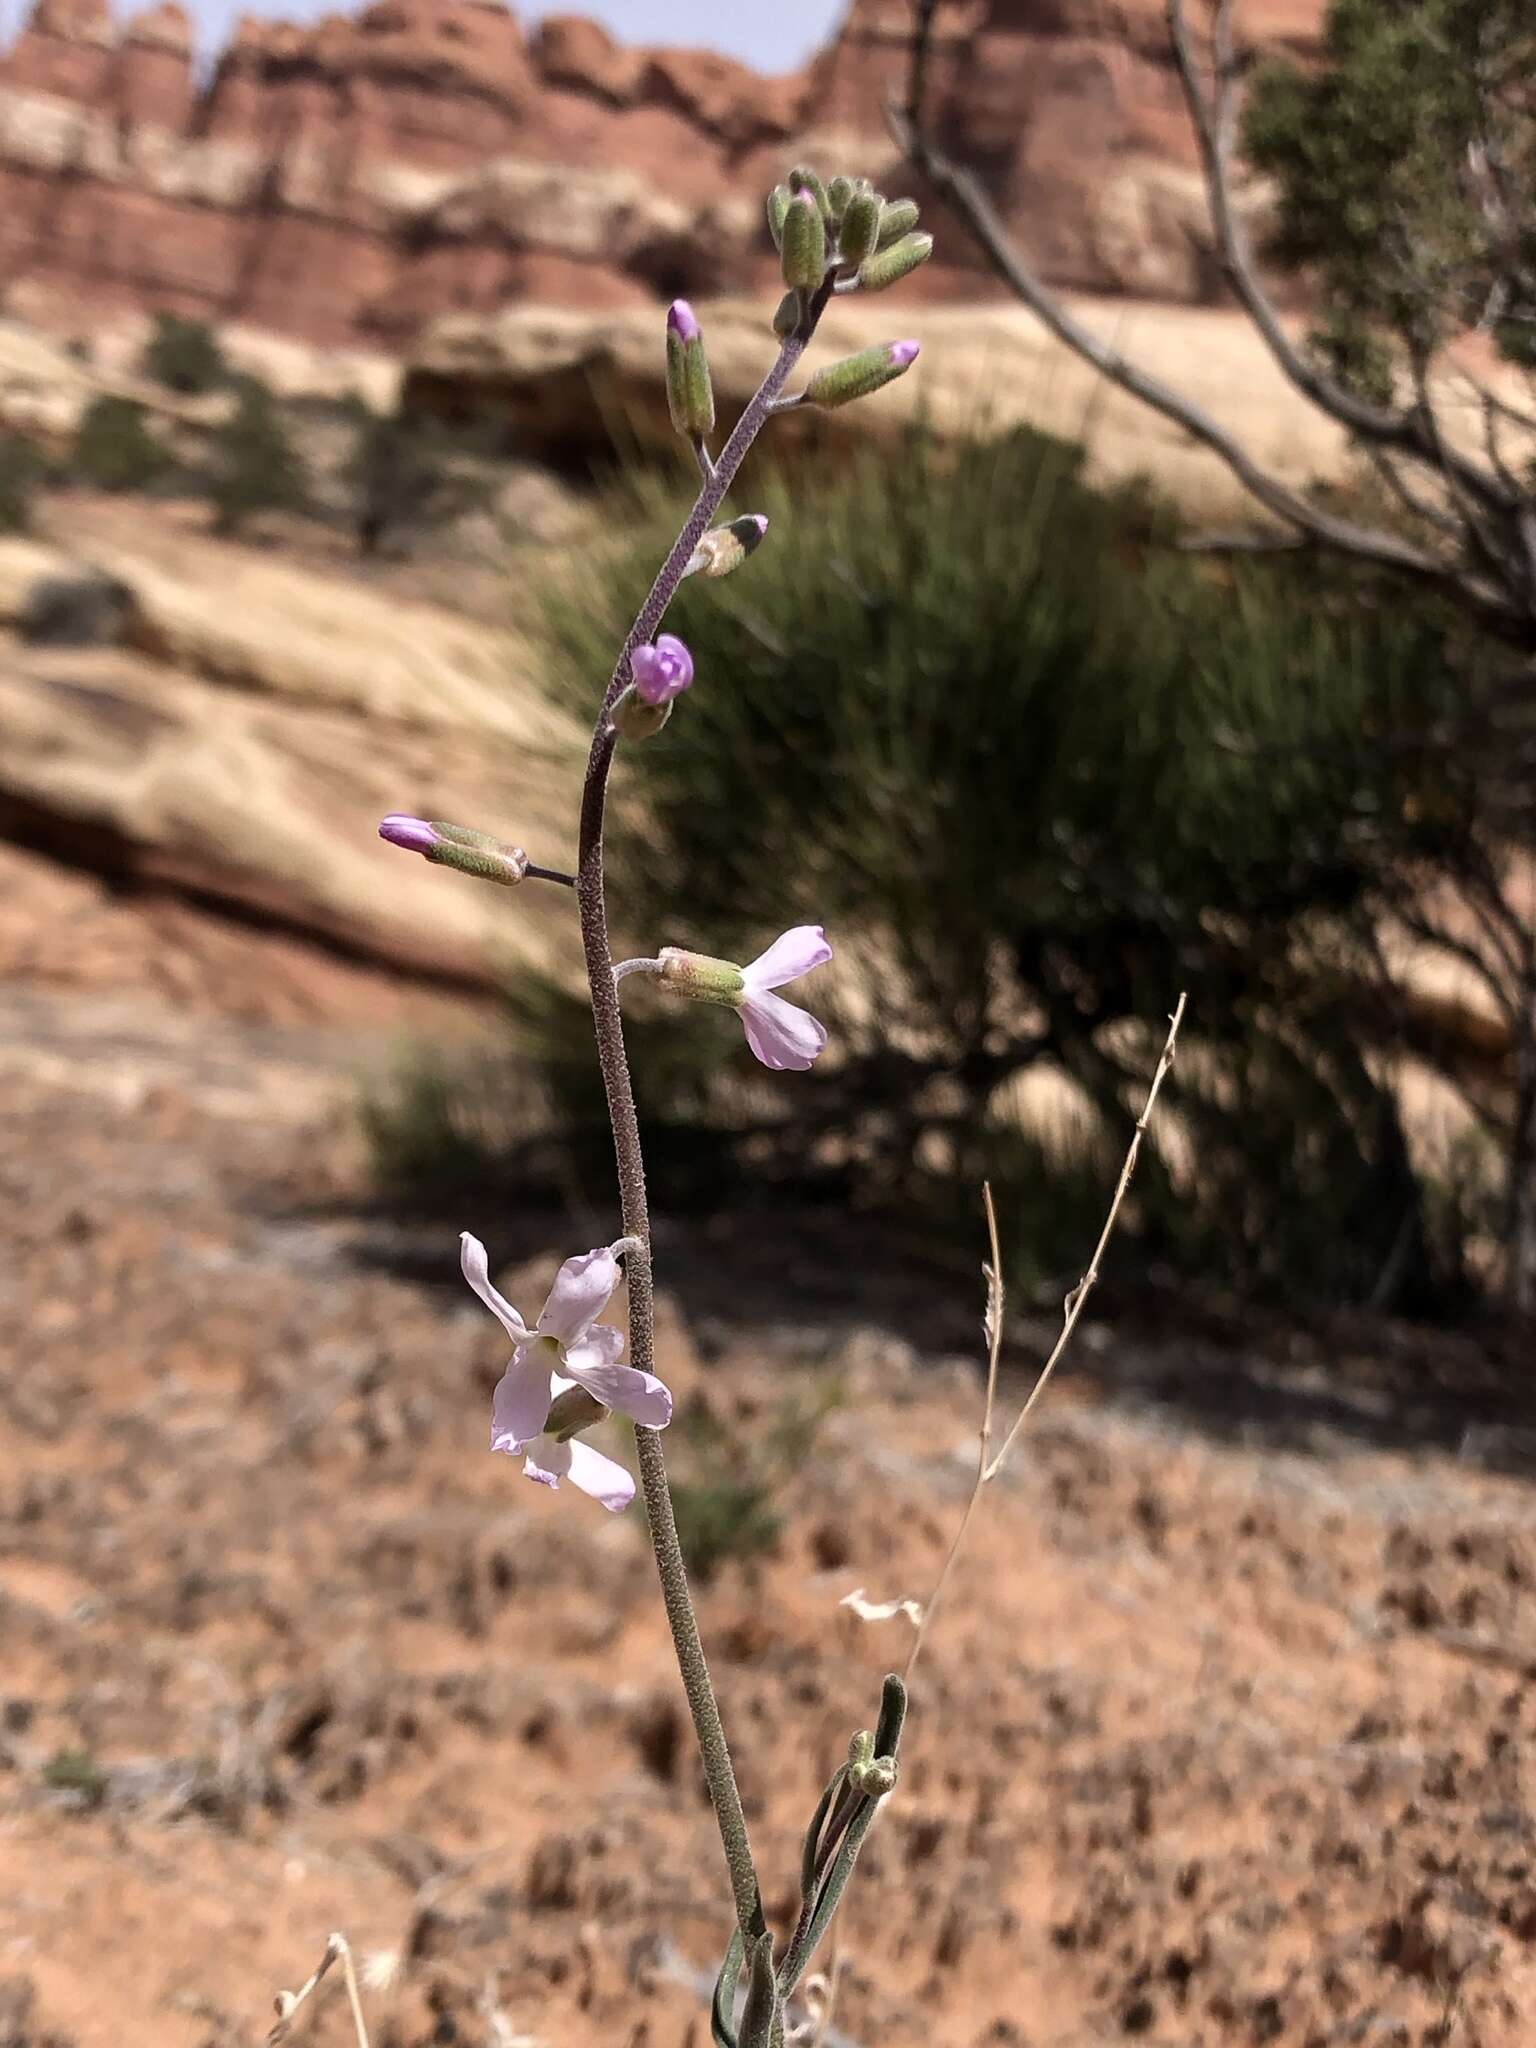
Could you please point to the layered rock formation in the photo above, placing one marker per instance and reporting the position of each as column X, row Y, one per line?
column 349, row 181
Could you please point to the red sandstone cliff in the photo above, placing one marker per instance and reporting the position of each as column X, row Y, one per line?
column 352, row 180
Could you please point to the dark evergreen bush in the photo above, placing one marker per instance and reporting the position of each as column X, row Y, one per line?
column 184, row 356
column 253, row 465
column 116, row 449
column 1036, row 772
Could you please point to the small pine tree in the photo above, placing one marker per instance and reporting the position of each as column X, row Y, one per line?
column 115, row 449
column 21, row 471
column 184, row 356
column 253, row 464
column 402, row 474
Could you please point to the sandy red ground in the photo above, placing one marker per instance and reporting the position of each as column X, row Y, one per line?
column 1226, row 1737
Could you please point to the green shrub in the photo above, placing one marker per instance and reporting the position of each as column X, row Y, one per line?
column 728, row 1481
column 21, row 474
column 76, row 1771
column 115, row 448
column 1037, row 773
column 404, row 475
column 253, row 465
column 184, row 356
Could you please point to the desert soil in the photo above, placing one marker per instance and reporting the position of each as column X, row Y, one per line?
column 1224, row 1738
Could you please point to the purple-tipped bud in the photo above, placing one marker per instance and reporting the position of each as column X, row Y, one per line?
column 690, row 396
column 457, row 846
column 661, row 671
column 725, row 548
column 856, row 376
column 414, row 834
column 682, row 321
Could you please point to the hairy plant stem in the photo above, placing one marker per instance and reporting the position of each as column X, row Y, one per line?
column 608, row 1024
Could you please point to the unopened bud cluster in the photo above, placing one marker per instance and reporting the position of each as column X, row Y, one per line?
column 845, row 231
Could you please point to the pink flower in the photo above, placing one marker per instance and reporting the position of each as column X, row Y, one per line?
column 780, row 1035
column 662, row 670
column 566, row 1347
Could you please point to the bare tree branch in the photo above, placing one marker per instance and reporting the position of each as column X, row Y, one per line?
column 1408, row 495
column 1369, row 544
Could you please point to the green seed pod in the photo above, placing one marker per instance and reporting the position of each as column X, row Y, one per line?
column 893, row 1715
column 803, row 179
column 856, row 376
column 760, row 2014
column 778, row 206
column 891, row 265
column 803, row 251
column 898, row 217
column 839, row 192
column 861, row 226
column 573, row 1410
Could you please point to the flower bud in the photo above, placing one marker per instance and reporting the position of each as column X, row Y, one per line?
column 839, row 192
column 856, row 376
column 803, row 251
column 633, row 719
column 898, row 217
column 803, row 179
column 700, row 978
column 879, row 272
column 778, row 206
column 725, row 548
column 690, row 396
column 875, row 1778
column 861, row 1750
column 786, row 316
column 457, row 846
column 574, row 1410
column 861, row 227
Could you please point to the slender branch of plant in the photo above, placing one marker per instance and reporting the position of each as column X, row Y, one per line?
column 988, row 1466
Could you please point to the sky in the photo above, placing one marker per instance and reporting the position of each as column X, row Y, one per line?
column 773, row 35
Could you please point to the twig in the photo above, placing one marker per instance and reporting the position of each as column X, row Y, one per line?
column 992, row 1326
column 289, row 2003
column 1077, row 1300
column 987, row 1468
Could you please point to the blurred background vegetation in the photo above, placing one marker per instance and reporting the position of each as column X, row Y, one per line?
column 1037, row 771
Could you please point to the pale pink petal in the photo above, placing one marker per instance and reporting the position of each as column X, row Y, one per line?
column 604, row 1341
column 606, row 1481
column 789, row 957
column 780, row 1034
column 639, row 1395
column 547, row 1461
column 583, row 1289
column 477, row 1272
column 520, row 1404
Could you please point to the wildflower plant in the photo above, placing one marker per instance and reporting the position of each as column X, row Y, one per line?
column 565, row 1372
